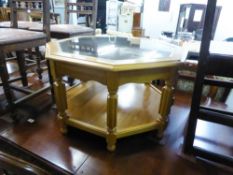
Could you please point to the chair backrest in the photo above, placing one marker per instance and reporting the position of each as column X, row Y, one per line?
column 82, row 8
column 28, row 6
column 4, row 14
column 13, row 165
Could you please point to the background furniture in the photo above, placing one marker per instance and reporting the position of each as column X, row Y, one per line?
column 38, row 16
column 112, row 10
column 101, row 16
column 124, row 17
column 17, row 40
column 217, row 65
column 191, row 19
column 4, row 14
column 57, row 31
column 87, row 9
column 187, row 71
column 60, row 31
column 187, row 74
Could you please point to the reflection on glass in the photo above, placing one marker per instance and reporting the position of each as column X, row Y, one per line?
column 115, row 48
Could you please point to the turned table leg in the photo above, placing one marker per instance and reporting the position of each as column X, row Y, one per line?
column 165, row 104
column 111, row 119
column 60, row 97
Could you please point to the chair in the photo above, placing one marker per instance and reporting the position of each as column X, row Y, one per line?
column 4, row 14
column 214, row 65
column 12, row 165
column 23, row 7
column 87, row 9
column 61, row 31
column 187, row 73
column 17, row 40
column 80, row 8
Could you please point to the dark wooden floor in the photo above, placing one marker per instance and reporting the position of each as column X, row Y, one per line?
column 81, row 153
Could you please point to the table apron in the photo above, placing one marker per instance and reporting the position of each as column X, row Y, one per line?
column 86, row 73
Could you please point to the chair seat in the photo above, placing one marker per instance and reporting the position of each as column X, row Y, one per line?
column 61, row 31
column 21, row 24
column 71, row 29
column 57, row 30
column 13, row 36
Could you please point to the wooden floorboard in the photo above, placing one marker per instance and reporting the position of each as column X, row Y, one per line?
column 4, row 124
column 44, row 140
column 83, row 153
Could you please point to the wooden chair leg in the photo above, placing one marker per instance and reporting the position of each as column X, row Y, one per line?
column 6, row 87
column 30, row 54
column 38, row 62
column 5, row 77
column 22, row 67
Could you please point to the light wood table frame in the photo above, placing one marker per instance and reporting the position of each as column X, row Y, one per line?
column 112, row 76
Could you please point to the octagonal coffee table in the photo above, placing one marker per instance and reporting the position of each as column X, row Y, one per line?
column 116, row 98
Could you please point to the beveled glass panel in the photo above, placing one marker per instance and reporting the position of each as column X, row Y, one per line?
column 115, row 49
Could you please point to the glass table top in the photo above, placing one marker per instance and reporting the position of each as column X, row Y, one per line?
column 115, row 49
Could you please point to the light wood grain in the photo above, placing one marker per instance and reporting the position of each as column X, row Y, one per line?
column 137, row 107
column 115, row 108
